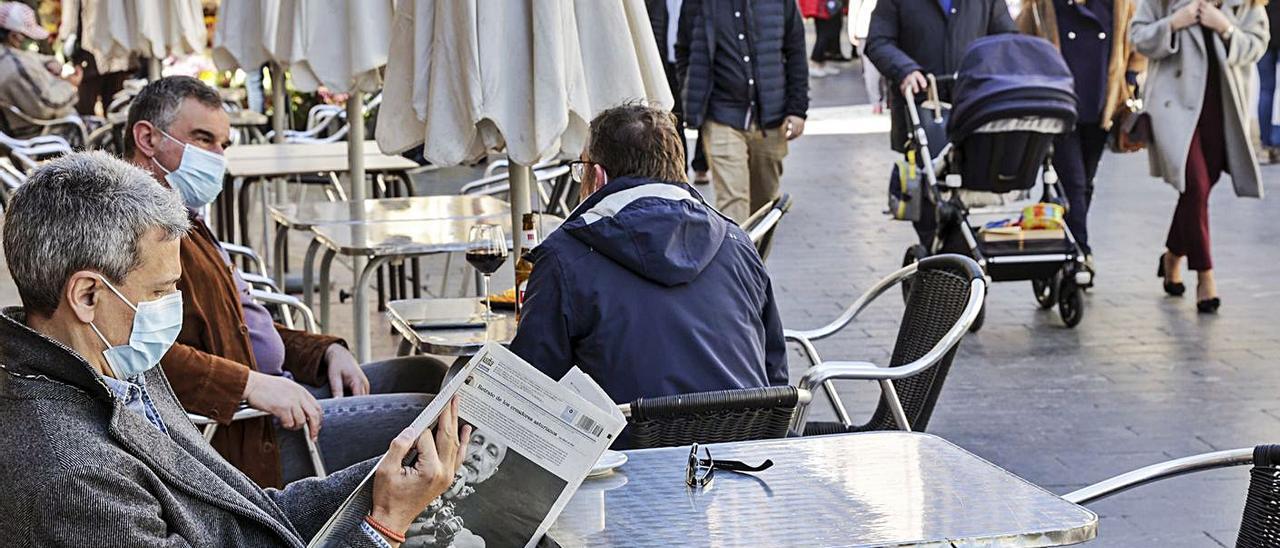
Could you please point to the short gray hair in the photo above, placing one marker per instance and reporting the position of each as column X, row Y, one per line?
column 83, row 211
column 159, row 101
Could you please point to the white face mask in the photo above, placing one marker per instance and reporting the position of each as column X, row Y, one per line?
column 198, row 178
column 156, row 325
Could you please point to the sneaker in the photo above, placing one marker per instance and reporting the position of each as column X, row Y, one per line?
column 817, row 70
column 701, row 178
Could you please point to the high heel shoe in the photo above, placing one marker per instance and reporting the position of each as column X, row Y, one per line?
column 1208, row 306
column 1173, row 289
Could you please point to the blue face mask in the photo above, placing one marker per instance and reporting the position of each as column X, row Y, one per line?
column 155, row 327
column 198, row 178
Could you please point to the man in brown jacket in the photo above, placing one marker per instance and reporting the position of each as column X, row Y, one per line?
column 229, row 350
column 28, row 80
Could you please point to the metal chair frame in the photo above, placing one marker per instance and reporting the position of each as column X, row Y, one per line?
column 762, row 224
column 74, row 121
column 824, row 373
column 1161, row 471
column 31, row 152
column 208, row 427
column 681, row 413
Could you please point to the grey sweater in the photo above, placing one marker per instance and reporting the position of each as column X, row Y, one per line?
column 78, row 469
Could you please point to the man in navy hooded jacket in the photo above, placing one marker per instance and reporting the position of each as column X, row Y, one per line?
column 648, row 289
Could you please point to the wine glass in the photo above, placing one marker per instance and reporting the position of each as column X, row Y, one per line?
column 486, row 251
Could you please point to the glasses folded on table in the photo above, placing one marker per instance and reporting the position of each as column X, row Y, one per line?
column 699, row 471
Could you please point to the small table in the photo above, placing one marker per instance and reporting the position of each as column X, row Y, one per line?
column 382, row 243
column 448, row 342
column 307, row 216
column 871, row 489
column 246, row 163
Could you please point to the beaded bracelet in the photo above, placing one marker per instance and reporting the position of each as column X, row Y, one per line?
column 384, row 530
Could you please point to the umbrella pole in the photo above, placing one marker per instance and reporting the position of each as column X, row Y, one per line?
column 355, row 161
column 279, row 121
column 520, row 177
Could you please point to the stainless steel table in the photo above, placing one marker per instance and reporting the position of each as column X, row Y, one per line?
column 382, row 243
column 448, row 342
column 872, row 489
column 249, row 163
column 306, row 216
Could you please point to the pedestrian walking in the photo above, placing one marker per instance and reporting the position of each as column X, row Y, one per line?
column 1267, row 74
column 1202, row 59
column 664, row 17
column 859, row 24
column 828, row 19
column 1091, row 34
column 908, row 39
column 746, row 88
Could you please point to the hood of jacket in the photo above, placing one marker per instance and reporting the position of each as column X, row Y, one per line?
column 662, row 231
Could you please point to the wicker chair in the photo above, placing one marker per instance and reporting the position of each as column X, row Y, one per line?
column 712, row 417
column 1260, row 523
column 944, row 296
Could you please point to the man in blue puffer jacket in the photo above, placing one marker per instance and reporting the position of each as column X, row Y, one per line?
column 648, row 289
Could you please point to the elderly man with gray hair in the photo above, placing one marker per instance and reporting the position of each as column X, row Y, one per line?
column 92, row 429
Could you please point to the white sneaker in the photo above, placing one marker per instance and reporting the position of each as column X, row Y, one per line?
column 818, row 71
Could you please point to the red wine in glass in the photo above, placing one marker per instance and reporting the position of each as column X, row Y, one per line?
column 487, row 262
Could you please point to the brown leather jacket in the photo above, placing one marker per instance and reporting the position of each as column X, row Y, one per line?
column 210, row 363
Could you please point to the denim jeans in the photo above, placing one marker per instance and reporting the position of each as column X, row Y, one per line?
column 357, row 428
column 1266, row 99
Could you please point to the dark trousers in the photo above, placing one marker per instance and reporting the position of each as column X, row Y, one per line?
column 96, row 86
column 1075, row 158
column 1206, row 161
column 827, row 43
column 699, row 162
column 1267, row 79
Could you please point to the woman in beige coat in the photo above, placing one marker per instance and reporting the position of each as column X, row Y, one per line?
column 1197, row 92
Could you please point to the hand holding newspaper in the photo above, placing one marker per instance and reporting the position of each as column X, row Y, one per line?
column 534, row 441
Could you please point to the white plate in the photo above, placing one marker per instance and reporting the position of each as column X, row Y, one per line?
column 607, row 463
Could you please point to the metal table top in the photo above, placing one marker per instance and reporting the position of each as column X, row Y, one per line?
column 270, row 160
column 422, row 208
column 406, row 238
column 871, row 489
column 449, row 342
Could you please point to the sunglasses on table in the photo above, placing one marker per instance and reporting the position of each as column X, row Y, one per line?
column 699, row 471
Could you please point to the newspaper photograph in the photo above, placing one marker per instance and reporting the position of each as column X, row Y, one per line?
column 533, row 442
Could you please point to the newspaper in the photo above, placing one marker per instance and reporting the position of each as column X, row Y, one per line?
column 533, row 442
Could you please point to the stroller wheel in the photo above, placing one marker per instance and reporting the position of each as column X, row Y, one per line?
column 1046, row 292
column 1070, row 301
column 912, row 256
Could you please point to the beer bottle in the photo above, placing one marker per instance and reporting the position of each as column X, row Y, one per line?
column 524, row 267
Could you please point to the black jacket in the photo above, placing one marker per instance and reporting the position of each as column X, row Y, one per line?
column 782, row 70
column 911, row 35
column 658, row 18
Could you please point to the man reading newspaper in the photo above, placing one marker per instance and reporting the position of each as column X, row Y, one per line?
column 98, row 451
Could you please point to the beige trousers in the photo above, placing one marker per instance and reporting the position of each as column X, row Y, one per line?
column 746, row 166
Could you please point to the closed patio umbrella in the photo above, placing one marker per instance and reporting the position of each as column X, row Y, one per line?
column 525, row 77
column 114, row 30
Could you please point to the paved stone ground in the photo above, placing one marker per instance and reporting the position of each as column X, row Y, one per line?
column 1142, row 379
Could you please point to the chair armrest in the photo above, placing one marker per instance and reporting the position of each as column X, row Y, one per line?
column 854, row 309
column 260, row 281
column 288, row 301
column 1161, row 471
column 237, row 250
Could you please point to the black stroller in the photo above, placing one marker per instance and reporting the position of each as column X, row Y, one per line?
column 1012, row 96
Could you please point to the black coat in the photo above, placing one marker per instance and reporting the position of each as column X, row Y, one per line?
column 782, row 69
column 911, row 35
column 1273, row 14
column 658, row 18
